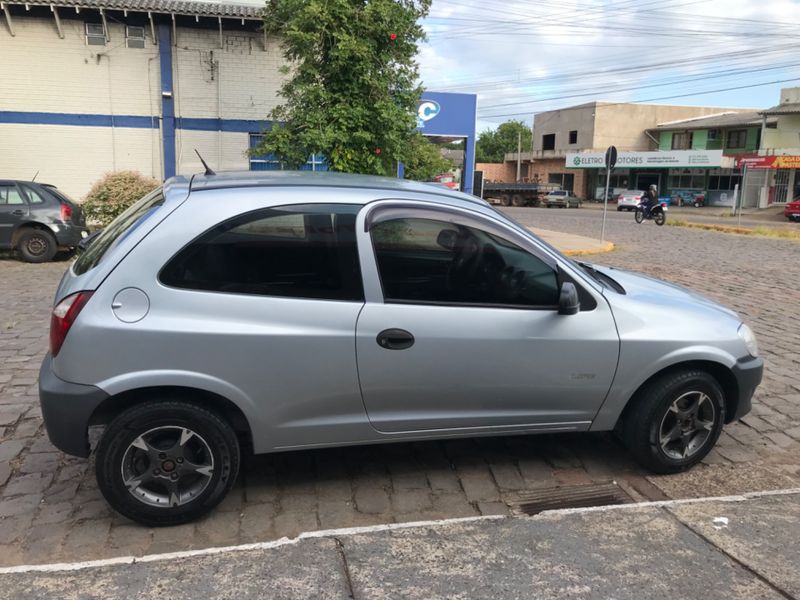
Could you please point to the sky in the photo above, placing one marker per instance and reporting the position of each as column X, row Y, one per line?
column 523, row 57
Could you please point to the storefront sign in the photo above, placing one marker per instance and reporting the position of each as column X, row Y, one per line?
column 769, row 162
column 647, row 160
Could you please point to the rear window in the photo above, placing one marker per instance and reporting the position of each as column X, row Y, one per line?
column 118, row 230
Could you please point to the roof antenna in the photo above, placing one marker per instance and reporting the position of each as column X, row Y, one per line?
column 35, row 176
column 208, row 169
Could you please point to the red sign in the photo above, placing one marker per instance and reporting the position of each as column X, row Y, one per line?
column 769, row 162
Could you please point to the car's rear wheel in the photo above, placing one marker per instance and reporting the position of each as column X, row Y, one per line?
column 166, row 462
column 674, row 421
column 36, row 246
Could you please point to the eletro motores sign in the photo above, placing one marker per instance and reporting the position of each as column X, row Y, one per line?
column 634, row 160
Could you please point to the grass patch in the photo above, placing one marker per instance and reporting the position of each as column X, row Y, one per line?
column 759, row 231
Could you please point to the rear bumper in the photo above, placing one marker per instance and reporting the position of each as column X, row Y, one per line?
column 71, row 235
column 66, row 409
column 748, row 373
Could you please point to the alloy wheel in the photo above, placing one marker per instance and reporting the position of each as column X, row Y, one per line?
column 167, row 466
column 687, row 425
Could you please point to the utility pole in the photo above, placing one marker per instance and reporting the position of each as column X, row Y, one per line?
column 519, row 154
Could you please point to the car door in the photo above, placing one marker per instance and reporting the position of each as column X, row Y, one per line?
column 461, row 329
column 13, row 210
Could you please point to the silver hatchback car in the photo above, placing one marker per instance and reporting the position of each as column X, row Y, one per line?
column 283, row 311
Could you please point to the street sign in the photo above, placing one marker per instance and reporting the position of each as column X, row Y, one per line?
column 611, row 157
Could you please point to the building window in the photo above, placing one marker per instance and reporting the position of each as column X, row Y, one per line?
column 713, row 135
column 549, row 141
column 682, row 140
column 95, row 34
column 573, row 137
column 134, row 37
column 565, row 180
column 683, row 182
column 268, row 162
column 737, row 138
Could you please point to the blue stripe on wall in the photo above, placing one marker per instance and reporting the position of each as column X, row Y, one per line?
column 44, row 118
column 135, row 121
column 232, row 125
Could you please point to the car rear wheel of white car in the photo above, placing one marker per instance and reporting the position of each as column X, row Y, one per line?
column 166, row 463
column 674, row 421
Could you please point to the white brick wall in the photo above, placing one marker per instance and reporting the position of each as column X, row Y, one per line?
column 73, row 158
column 44, row 73
column 241, row 80
column 223, row 151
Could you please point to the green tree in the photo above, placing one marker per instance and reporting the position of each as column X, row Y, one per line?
column 492, row 146
column 351, row 92
column 424, row 159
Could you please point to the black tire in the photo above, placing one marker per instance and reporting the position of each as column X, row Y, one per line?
column 505, row 200
column 619, row 209
column 517, row 200
column 649, row 410
column 140, row 421
column 36, row 246
column 639, row 215
column 660, row 218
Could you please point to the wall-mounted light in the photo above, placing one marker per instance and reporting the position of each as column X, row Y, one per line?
column 166, row 94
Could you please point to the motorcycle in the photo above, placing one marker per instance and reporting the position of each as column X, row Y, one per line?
column 657, row 213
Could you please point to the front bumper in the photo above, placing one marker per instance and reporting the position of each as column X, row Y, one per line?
column 66, row 409
column 748, row 373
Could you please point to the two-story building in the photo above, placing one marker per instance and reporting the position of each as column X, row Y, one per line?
column 591, row 128
column 737, row 134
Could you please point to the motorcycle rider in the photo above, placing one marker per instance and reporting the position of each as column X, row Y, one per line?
column 650, row 199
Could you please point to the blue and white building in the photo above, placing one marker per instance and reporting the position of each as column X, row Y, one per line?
column 93, row 86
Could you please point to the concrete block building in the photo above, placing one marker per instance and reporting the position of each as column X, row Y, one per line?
column 93, row 86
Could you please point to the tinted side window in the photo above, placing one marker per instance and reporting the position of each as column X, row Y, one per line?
column 9, row 194
column 123, row 225
column 298, row 251
column 421, row 260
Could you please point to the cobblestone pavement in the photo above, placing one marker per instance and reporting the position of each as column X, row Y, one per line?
column 51, row 510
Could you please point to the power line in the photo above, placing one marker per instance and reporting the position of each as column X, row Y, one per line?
column 702, row 93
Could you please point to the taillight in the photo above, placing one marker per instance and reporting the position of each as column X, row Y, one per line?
column 64, row 315
column 66, row 212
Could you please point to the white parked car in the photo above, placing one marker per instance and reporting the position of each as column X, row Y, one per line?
column 629, row 200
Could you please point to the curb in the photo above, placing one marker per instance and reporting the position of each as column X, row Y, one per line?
column 606, row 247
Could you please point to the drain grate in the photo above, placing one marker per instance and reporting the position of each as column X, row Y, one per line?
column 573, row 496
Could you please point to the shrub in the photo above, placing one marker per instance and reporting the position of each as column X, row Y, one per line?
column 114, row 193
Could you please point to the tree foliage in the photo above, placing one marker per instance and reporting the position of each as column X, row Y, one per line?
column 492, row 146
column 114, row 193
column 424, row 160
column 351, row 92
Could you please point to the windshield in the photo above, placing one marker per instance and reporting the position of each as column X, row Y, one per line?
column 58, row 193
column 118, row 230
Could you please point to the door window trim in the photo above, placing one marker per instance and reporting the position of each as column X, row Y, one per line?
column 388, row 210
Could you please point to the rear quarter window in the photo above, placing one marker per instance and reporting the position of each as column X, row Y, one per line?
column 118, row 230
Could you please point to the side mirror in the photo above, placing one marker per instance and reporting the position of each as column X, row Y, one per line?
column 447, row 239
column 568, row 301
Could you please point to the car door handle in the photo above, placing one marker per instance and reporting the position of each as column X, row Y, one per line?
column 395, row 339
column 18, row 212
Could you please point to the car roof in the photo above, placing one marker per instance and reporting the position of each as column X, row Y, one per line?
column 245, row 179
column 7, row 181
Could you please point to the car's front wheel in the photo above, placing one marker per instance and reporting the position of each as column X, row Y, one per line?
column 166, row 462
column 674, row 421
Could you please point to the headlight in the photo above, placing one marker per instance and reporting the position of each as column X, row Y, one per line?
column 749, row 339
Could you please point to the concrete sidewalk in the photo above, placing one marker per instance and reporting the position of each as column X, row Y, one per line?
column 736, row 547
column 571, row 244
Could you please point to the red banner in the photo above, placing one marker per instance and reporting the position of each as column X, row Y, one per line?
column 769, row 162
